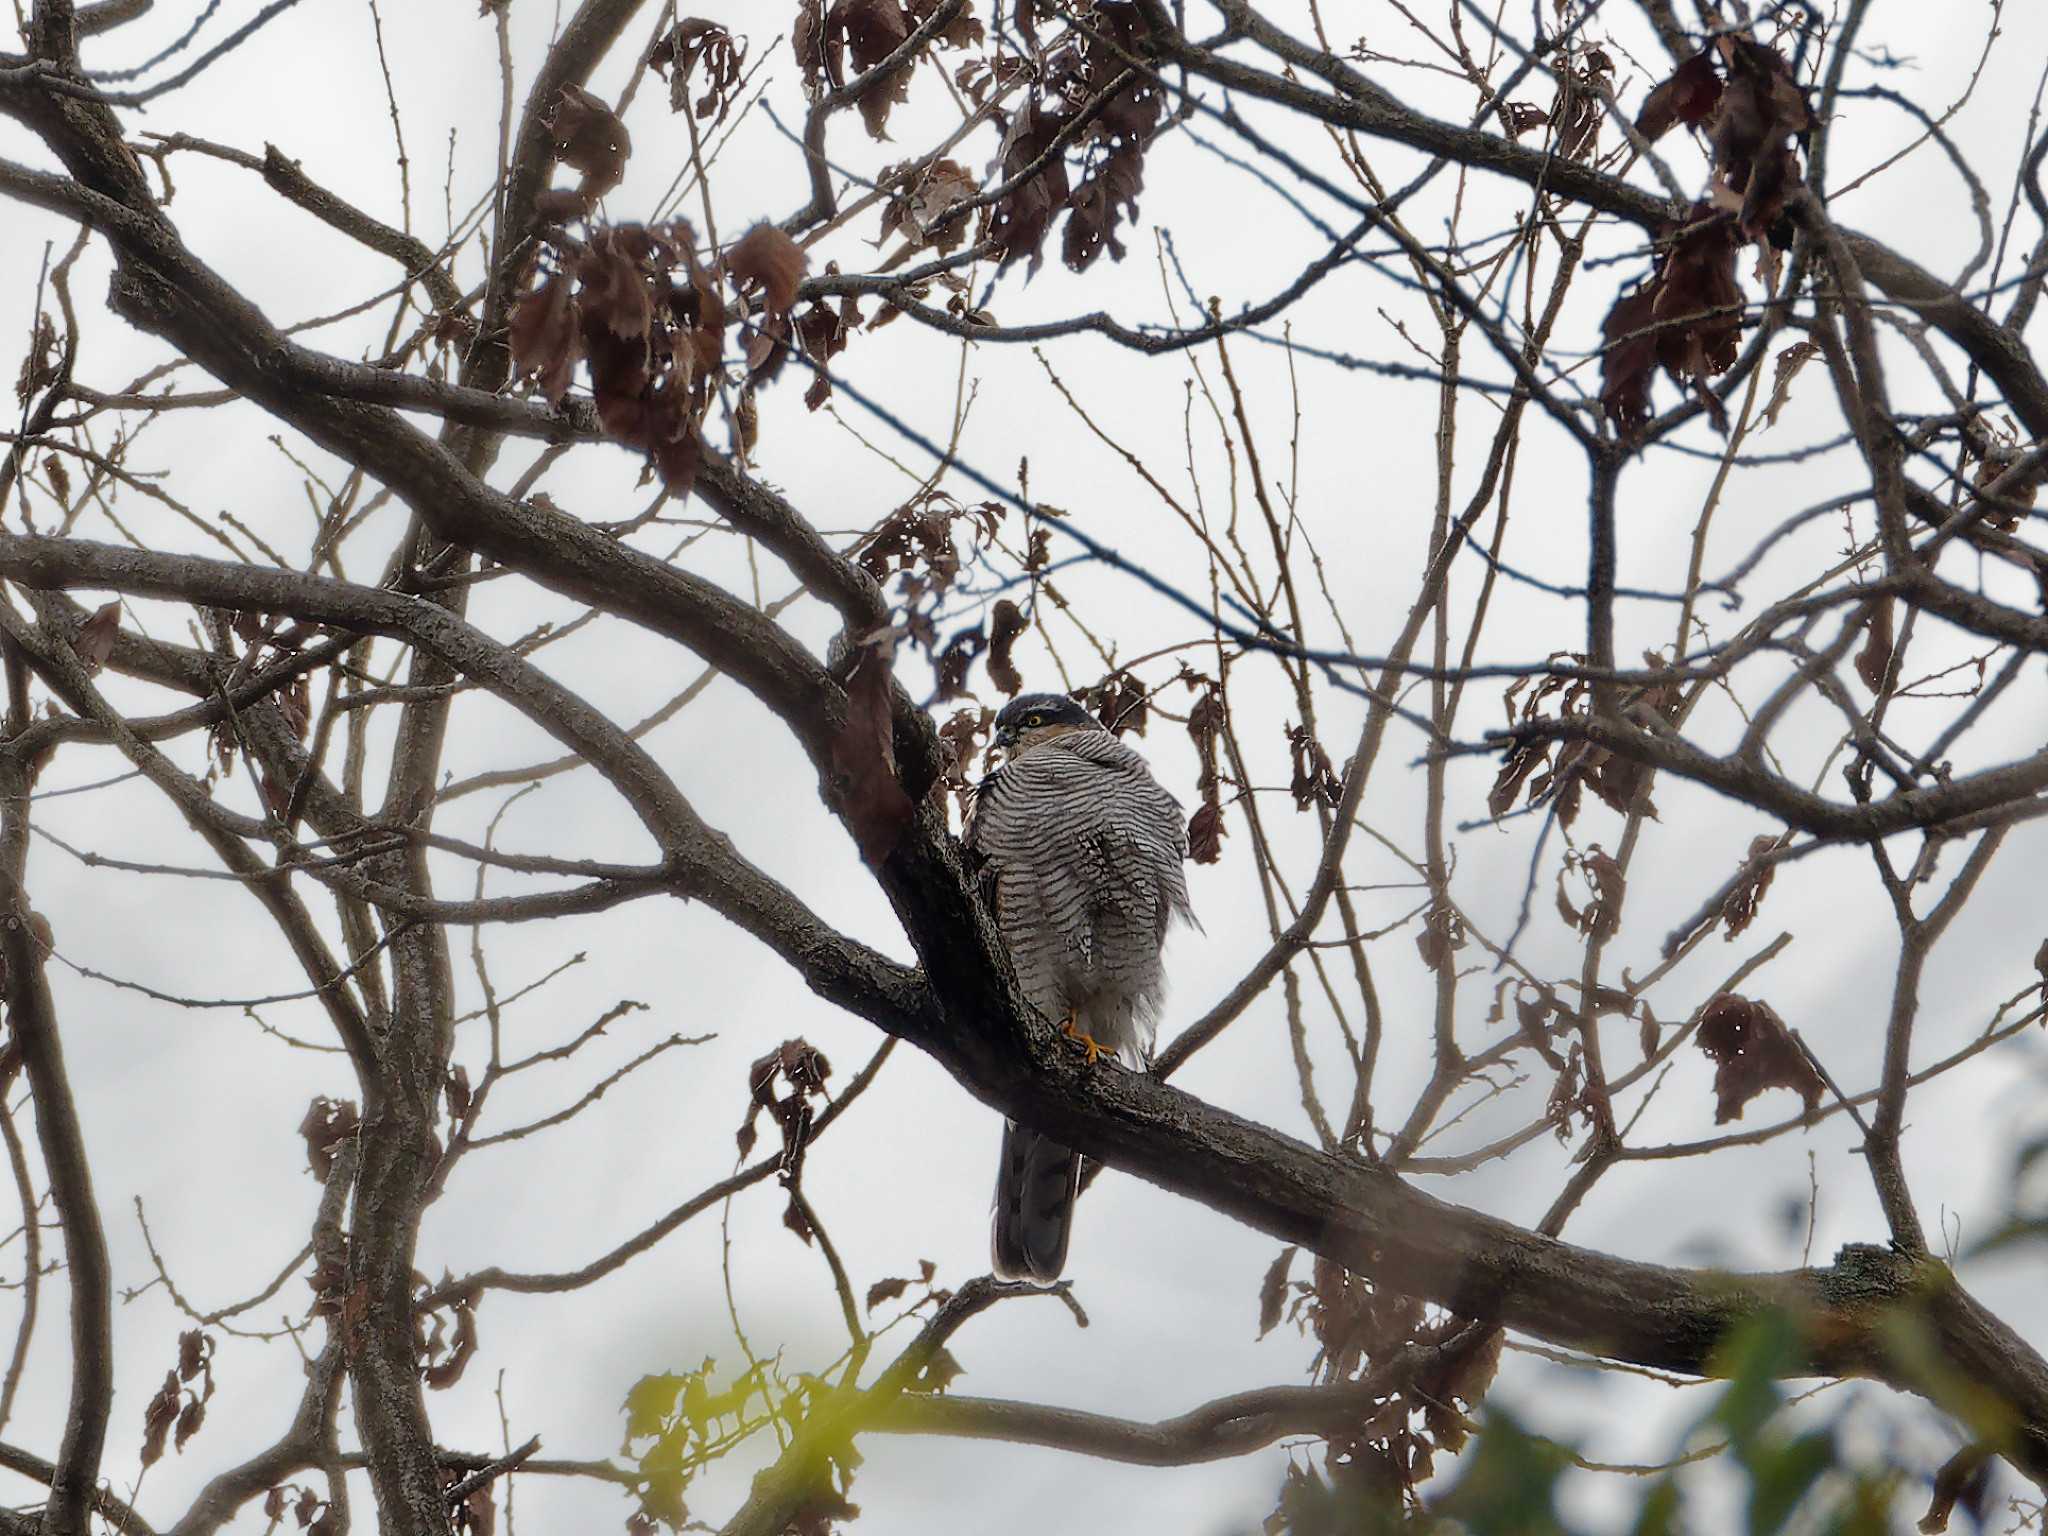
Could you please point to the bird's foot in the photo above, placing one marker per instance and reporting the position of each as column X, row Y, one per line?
column 1095, row 1048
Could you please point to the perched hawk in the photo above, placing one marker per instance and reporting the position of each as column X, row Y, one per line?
column 1081, row 852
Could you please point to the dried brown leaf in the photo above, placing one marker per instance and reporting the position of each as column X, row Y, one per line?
column 765, row 255
column 1005, row 624
column 939, row 1372
column 920, row 211
column 327, row 1123
column 1629, row 358
column 194, row 1350
column 191, row 1418
column 545, row 336
column 1206, row 832
column 1441, row 936
column 1601, row 916
column 1520, row 760
column 589, row 137
column 793, row 1217
column 1315, row 778
column 871, row 30
column 1760, row 108
column 1783, row 371
column 94, row 641
column 1687, row 97
column 1463, row 1378
column 1874, row 660
column 1273, row 1290
column 1023, row 216
column 1123, row 704
column 705, row 52
column 446, row 1373
column 158, row 1417
column 1965, row 1479
column 1752, row 1050
column 39, row 363
column 1738, row 908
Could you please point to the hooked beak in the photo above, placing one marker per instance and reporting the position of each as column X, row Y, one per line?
column 1006, row 738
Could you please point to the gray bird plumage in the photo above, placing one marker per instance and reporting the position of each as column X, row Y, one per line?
column 1083, row 852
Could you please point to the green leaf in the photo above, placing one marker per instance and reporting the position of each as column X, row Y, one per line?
column 1781, row 1473
column 1753, row 1358
column 649, row 1403
column 1509, row 1483
column 1659, row 1514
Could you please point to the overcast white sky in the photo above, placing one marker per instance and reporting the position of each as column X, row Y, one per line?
column 194, row 1112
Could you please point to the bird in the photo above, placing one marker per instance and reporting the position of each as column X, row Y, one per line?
column 1080, row 854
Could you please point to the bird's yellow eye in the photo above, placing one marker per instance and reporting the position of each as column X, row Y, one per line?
column 1034, row 719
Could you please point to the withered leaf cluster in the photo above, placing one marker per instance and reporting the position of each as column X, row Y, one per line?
column 1739, row 906
column 1601, row 915
column 767, row 262
column 1752, row 1050
column 1083, row 107
column 178, row 1410
column 1535, row 1004
column 1619, row 781
column 1688, row 316
column 259, row 632
column 894, row 1287
column 783, row 1083
column 1357, row 1328
column 644, row 311
column 1999, row 449
column 1205, row 724
column 963, row 736
column 871, row 31
column 1579, row 107
column 311, row 1513
column 1874, row 658
column 706, row 53
column 921, row 209
column 1315, row 778
column 1441, row 936
column 94, row 641
column 39, row 363
column 327, row 1124
column 477, row 1514
column 1120, row 701
column 591, row 138
column 652, row 344
column 443, row 1359
column 939, row 1372
column 916, row 542
column 1573, row 1096
column 954, row 660
column 1006, row 622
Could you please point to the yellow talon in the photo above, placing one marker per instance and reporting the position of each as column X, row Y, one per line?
column 1096, row 1049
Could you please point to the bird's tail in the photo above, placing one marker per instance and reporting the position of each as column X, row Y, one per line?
column 1036, row 1184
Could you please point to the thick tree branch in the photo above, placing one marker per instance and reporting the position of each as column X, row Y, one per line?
column 33, row 1018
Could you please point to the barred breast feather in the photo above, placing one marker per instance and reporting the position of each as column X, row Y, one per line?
column 1084, row 853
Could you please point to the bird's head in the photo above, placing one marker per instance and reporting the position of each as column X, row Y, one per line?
column 1032, row 719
